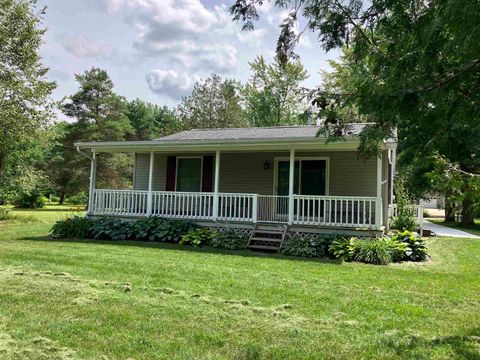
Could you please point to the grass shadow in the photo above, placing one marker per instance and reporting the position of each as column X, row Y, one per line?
column 176, row 247
column 458, row 346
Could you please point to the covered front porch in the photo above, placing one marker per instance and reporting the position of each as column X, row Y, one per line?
column 327, row 189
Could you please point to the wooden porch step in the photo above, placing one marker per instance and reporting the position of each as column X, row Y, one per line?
column 267, row 237
column 260, row 238
column 263, row 247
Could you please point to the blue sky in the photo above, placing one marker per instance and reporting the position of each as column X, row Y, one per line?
column 156, row 49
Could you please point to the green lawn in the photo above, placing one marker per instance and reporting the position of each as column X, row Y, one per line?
column 472, row 229
column 97, row 300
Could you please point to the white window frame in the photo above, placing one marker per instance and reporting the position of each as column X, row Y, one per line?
column 201, row 170
column 300, row 158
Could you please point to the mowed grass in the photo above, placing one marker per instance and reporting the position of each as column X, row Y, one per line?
column 125, row 300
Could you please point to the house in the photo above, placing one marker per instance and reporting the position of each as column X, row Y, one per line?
column 283, row 175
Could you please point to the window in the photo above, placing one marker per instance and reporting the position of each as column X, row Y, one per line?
column 189, row 174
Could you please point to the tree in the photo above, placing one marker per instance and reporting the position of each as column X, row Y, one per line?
column 99, row 115
column 24, row 95
column 150, row 121
column 414, row 66
column 273, row 95
column 214, row 103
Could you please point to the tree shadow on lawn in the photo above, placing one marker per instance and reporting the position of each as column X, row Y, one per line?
column 176, row 247
column 458, row 346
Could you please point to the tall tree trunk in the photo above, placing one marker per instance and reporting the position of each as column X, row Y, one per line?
column 467, row 211
column 62, row 199
column 449, row 207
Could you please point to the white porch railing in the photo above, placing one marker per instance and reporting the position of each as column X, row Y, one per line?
column 237, row 207
column 346, row 211
column 119, row 202
column 272, row 209
column 339, row 211
column 182, row 205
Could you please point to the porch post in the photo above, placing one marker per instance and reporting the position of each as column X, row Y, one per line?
column 93, row 178
column 291, row 180
column 378, row 205
column 217, row 185
column 150, row 184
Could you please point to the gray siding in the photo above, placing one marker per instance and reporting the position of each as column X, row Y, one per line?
column 245, row 173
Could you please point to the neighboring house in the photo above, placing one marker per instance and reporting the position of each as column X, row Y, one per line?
column 274, row 175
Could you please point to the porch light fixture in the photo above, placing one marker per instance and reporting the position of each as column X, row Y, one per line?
column 266, row 165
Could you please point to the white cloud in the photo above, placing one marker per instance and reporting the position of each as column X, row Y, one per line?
column 182, row 31
column 170, row 83
column 81, row 46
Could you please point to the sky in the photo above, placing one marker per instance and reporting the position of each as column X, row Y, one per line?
column 155, row 50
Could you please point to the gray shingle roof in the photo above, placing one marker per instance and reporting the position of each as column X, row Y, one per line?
column 255, row 133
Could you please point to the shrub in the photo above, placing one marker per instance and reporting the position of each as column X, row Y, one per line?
column 229, row 239
column 75, row 227
column 343, row 248
column 31, row 200
column 198, row 237
column 78, row 199
column 171, row 230
column 299, row 246
column 373, row 251
column 405, row 219
column 415, row 247
column 111, row 229
column 5, row 213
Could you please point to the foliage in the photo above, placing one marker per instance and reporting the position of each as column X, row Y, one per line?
column 309, row 245
column 228, row 239
column 198, row 237
column 99, row 115
column 5, row 213
column 299, row 246
column 111, row 229
column 75, row 227
column 405, row 217
column 415, row 248
column 411, row 66
column 78, row 199
column 24, row 96
column 34, row 199
column 373, row 251
column 273, row 95
column 150, row 121
column 163, row 230
column 214, row 103
column 343, row 248
column 149, row 229
column 402, row 246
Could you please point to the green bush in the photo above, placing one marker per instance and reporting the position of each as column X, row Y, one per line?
column 149, row 229
column 75, row 227
column 32, row 200
column 415, row 247
column 299, row 246
column 309, row 245
column 343, row 248
column 5, row 213
column 229, row 239
column 112, row 229
column 373, row 251
column 198, row 237
column 78, row 199
column 405, row 219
